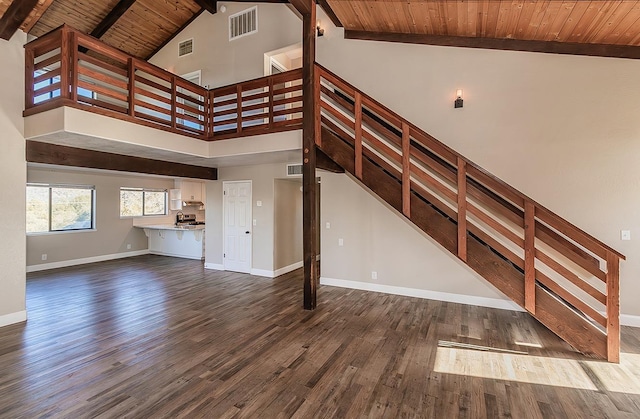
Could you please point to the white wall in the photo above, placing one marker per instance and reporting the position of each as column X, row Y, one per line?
column 225, row 62
column 562, row 129
column 13, row 174
column 112, row 233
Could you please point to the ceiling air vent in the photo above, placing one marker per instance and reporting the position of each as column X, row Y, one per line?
column 243, row 23
column 185, row 47
column 294, row 170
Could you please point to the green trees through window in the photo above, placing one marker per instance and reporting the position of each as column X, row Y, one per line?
column 138, row 202
column 60, row 208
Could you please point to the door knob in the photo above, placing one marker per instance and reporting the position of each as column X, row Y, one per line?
column 247, row 232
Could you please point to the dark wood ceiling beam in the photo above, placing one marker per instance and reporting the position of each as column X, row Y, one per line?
column 550, row 47
column 330, row 13
column 113, row 16
column 46, row 153
column 302, row 6
column 15, row 15
column 210, row 6
column 35, row 16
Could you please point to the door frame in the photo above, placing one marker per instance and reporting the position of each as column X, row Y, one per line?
column 224, row 221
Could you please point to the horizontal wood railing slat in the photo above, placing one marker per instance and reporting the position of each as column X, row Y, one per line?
column 105, row 78
column 82, row 58
column 338, row 115
column 496, row 225
column 47, row 62
column 104, row 90
column 433, row 183
column 102, row 104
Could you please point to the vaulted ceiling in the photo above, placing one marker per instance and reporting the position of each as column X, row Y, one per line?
column 140, row 27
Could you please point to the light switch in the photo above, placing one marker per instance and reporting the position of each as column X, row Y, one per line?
column 328, row 226
column 340, row 242
column 625, row 234
column 255, row 222
column 259, row 203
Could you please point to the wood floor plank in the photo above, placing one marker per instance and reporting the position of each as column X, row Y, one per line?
column 161, row 337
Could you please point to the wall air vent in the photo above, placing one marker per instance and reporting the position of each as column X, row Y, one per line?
column 243, row 23
column 185, row 47
column 294, row 170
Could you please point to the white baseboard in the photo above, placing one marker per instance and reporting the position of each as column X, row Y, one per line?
column 288, row 269
column 12, row 318
column 262, row 272
column 82, row 261
column 630, row 320
column 431, row 295
column 175, row 255
column 214, row 266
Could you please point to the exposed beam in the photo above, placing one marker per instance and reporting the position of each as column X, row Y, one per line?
column 14, row 16
column 46, row 153
column 551, row 47
column 309, row 183
column 210, row 6
column 35, row 16
column 330, row 13
column 113, row 16
column 303, row 7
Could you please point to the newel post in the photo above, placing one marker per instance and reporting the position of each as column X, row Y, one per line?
column 65, row 89
column 529, row 256
column 613, row 307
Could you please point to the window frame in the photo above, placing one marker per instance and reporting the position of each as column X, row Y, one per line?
column 50, row 187
column 143, row 190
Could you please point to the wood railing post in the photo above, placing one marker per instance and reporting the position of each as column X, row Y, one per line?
column 131, row 69
column 64, row 63
column 613, row 307
column 406, row 170
column 529, row 257
column 358, row 134
column 174, row 103
column 239, row 108
column 29, row 59
column 73, row 66
column 316, row 106
column 271, row 102
column 210, row 111
column 462, row 209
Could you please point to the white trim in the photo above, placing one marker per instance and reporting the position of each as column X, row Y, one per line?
column 12, row 318
column 175, row 255
column 262, row 272
column 630, row 320
column 431, row 295
column 82, row 261
column 288, row 269
column 192, row 75
column 214, row 266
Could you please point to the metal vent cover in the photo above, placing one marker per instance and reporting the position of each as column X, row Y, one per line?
column 185, row 47
column 294, row 170
column 243, row 23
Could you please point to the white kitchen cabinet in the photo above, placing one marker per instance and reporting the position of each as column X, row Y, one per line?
column 175, row 199
column 191, row 191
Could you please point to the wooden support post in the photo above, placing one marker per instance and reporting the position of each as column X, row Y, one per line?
column 131, row 65
column 316, row 106
column 270, row 102
column 174, row 103
column 73, row 66
column 406, row 170
column 613, row 307
column 64, row 63
column 239, row 108
column 462, row 209
column 358, row 134
column 309, row 191
column 529, row 257
column 29, row 59
column 210, row 110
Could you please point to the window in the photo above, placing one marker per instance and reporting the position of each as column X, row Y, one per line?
column 55, row 208
column 139, row 202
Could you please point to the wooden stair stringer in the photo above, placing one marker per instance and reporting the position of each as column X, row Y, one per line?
column 559, row 318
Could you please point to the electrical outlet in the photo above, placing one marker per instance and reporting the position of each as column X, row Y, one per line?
column 128, row 246
column 340, row 242
column 374, row 275
column 44, row 256
column 625, row 234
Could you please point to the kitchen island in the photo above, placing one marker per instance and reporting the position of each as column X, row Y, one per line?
column 178, row 241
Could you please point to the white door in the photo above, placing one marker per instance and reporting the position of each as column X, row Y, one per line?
column 237, row 226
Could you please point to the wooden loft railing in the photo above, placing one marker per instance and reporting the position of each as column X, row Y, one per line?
column 560, row 274
column 69, row 68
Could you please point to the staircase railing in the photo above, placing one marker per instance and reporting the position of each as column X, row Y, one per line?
column 554, row 255
column 69, row 68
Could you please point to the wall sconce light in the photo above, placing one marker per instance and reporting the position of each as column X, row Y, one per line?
column 319, row 30
column 458, row 102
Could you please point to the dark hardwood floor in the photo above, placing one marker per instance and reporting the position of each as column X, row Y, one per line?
column 152, row 337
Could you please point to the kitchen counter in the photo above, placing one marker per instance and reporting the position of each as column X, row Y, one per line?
column 177, row 241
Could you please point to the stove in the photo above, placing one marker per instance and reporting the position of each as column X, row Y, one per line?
column 187, row 219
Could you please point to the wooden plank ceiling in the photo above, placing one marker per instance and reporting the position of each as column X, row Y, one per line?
column 441, row 22
column 138, row 27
